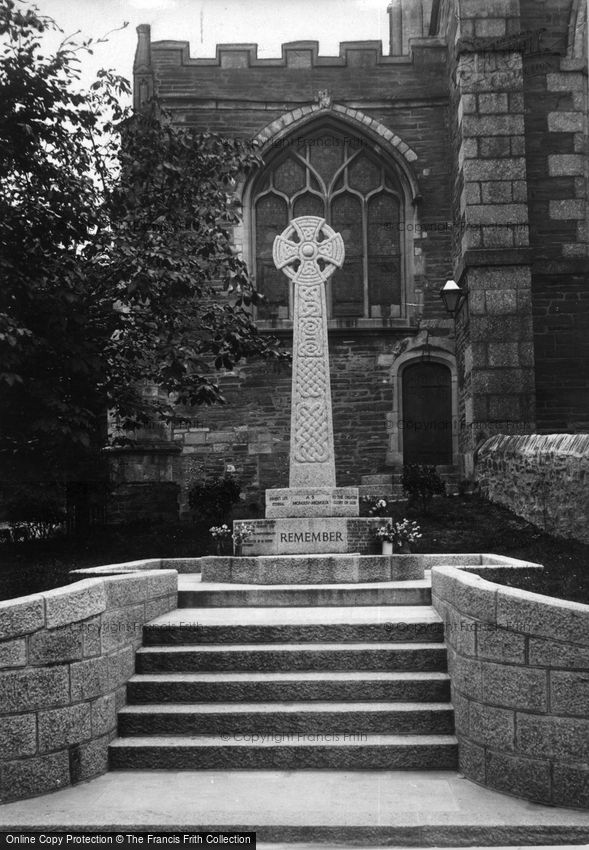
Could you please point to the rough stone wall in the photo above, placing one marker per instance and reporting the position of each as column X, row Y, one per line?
column 65, row 658
column 543, row 478
column 519, row 665
column 142, row 482
column 139, row 501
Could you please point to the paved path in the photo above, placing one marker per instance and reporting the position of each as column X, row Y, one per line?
column 367, row 807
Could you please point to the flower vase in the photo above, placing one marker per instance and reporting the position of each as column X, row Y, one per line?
column 387, row 547
column 405, row 549
column 237, row 550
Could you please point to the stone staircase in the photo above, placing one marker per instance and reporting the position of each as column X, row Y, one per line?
column 340, row 676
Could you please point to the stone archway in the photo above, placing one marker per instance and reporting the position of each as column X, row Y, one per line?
column 296, row 120
column 438, row 351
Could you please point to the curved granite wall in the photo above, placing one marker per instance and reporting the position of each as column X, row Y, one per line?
column 541, row 477
column 519, row 665
column 65, row 658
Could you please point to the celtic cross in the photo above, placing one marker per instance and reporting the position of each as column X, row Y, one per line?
column 308, row 252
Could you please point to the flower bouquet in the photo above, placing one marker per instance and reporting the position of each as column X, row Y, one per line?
column 221, row 535
column 399, row 535
column 241, row 533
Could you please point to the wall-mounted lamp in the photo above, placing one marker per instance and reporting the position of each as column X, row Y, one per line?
column 453, row 297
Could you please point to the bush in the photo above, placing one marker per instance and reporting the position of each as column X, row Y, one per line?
column 35, row 512
column 213, row 499
column 421, row 483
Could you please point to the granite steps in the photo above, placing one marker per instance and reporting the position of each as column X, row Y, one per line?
column 299, row 687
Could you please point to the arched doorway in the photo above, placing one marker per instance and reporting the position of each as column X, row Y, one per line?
column 427, row 413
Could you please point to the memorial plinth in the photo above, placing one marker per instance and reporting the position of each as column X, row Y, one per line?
column 320, row 535
column 312, row 515
column 312, row 502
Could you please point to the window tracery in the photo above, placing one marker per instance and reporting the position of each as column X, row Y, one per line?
column 339, row 178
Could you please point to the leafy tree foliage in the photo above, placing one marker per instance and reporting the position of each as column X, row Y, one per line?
column 115, row 253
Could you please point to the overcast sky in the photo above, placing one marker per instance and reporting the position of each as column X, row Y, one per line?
column 205, row 23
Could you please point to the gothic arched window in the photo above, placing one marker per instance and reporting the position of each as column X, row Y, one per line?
column 340, row 179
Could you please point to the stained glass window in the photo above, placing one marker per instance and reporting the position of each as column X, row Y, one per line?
column 333, row 176
column 271, row 218
column 347, row 288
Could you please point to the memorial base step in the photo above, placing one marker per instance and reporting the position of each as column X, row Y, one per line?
column 199, row 594
column 312, row 569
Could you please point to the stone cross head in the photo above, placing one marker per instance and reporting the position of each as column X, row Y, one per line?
column 315, row 256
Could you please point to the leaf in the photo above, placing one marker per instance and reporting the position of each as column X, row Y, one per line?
column 114, row 248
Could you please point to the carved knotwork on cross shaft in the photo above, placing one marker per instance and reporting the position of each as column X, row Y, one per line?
column 308, row 252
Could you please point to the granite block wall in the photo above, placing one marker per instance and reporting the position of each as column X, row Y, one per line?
column 519, row 666
column 65, row 658
column 541, row 477
column 494, row 329
column 518, row 96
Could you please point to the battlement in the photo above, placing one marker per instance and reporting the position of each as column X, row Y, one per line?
column 237, row 74
column 294, row 54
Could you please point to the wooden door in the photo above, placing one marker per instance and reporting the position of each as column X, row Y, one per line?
column 427, row 414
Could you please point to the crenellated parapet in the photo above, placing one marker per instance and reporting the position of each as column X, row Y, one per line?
column 237, row 71
column 294, row 54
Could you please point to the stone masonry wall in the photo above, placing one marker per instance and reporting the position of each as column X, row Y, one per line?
column 543, row 478
column 519, row 667
column 557, row 141
column 494, row 329
column 142, row 482
column 65, row 658
column 518, row 91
